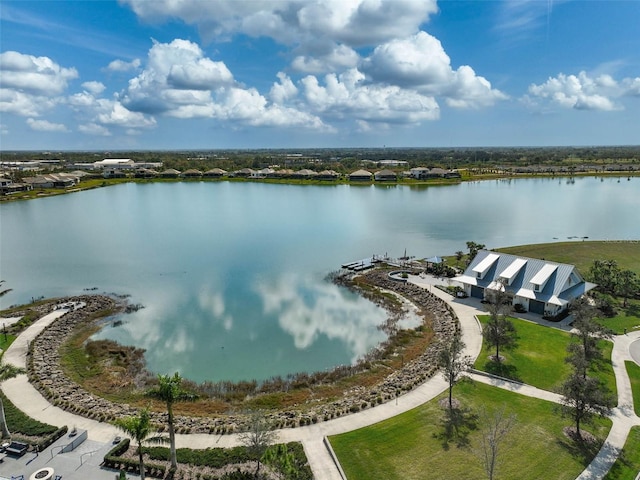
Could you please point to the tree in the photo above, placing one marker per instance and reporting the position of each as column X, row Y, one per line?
column 499, row 331
column 627, row 285
column 587, row 331
column 459, row 255
column 605, row 274
column 474, row 248
column 170, row 391
column 494, row 428
column 453, row 363
column 140, row 430
column 584, row 397
column 7, row 371
column 4, row 292
column 258, row 437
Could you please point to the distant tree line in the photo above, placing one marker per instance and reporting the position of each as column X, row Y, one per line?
column 347, row 159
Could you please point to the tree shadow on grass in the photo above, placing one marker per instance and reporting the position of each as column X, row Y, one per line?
column 584, row 449
column 502, row 370
column 455, row 426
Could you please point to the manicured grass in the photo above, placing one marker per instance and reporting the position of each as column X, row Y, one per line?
column 627, row 319
column 414, row 445
column 633, row 371
column 582, row 254
column 539, row 357
column 627, row 465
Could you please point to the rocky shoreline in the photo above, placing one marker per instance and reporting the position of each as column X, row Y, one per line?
column 47, row 375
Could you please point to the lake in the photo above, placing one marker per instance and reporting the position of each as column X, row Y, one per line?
column 232, row 274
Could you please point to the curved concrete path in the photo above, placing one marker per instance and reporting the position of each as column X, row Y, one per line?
column 29, row 400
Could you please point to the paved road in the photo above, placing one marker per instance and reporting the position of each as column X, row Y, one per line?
column 21, row 393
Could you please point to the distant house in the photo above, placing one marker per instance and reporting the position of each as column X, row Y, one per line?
column 53, row 180
column 305, row 173
column 7, row 186
column 263, row 173
column 360, row 176
column 170, row 173
column 245, row 172
column 191, row 173
column 145, row 173
column 328, row 175
column 385, row 176
column 540, row 286
column 423, row 173
column 215, row 173
column 420, row 173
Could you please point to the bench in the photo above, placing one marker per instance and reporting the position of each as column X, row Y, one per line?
column 17, row 448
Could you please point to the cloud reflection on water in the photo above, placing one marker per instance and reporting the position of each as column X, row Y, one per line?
column 307, row 309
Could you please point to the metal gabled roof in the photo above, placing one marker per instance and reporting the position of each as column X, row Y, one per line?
column 557, row 288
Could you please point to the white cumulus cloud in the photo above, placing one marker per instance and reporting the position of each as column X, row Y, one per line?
column 420, row 62
column 122, row 66
column 94, row 129
column 348, row 95
column 30, row 85
column 45, row 126
column 37, row 75
column 95, row 88
column 585, row 92
column 120, row 116
column 180, row 81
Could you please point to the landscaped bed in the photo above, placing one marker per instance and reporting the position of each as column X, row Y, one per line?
column 280, row 462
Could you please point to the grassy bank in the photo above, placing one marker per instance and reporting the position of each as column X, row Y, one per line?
column 582, row 254
column 415, row 445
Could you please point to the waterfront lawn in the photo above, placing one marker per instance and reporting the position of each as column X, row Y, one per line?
column 582, row 254
column 633, row 371
column 539, row 357
column 627, row 465
column 414, row 445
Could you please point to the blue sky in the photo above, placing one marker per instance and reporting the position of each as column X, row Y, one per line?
column 195, row 74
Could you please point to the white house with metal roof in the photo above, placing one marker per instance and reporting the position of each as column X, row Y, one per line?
column 540, row 286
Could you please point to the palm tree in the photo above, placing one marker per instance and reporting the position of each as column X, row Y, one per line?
column 140, row 430
column 3, row 292
column 170, row 390
column 6, row 372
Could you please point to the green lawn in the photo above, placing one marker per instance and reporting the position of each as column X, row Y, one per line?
column 628, row 464
column 633, row 371
column 582, row 254
column 414, row 445
column 539, row 357
column 627, row 318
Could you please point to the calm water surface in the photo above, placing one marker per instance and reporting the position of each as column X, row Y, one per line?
column 231, row 274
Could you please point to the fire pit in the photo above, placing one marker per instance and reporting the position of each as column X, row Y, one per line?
column 42, row 474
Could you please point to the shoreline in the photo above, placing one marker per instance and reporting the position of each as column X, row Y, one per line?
column 105, row 182
column 47, row 375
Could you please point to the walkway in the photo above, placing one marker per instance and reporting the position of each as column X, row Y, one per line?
column 22, row 393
